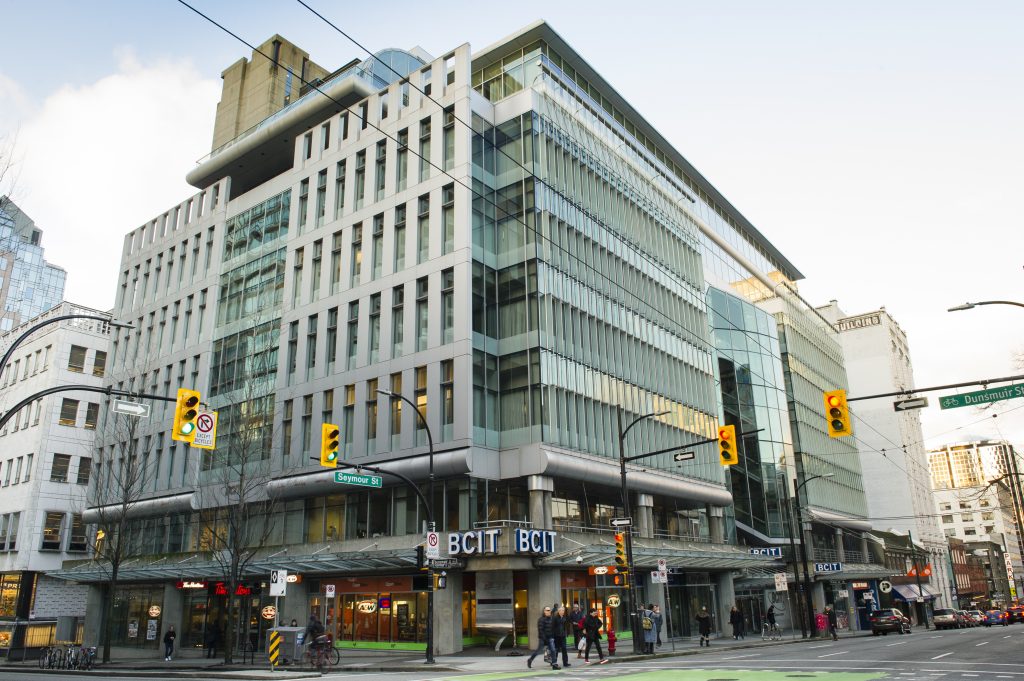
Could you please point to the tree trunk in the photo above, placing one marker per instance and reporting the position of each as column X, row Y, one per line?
column 108, row 612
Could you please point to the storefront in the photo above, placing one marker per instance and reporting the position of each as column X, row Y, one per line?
column 371, row 611
column 137, row 613
column 206, row 606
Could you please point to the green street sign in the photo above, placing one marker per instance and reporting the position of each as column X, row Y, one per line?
column 979, row 397
column 356, row 479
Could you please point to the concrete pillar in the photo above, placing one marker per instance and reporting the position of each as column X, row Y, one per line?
column 93, row 615
column 840, row 549
column 448, row 615
column 173, row 613
column 864, row 547
column 716, row 524
column 726, row 599
column 544, row 589
column 645, row 515
column 540, row 487
column 817, row 598
column 294, row 606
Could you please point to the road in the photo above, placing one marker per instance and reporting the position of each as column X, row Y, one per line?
column 979, row 654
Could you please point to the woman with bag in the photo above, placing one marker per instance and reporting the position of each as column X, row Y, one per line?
column 592, row 634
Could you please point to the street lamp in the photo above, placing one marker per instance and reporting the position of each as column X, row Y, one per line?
column 54, row 320
column 803, row 553
column 430, row 516
column 630, row 567
column 968, row 306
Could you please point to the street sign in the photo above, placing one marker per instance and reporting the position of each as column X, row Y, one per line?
column 910, row 403
column 659, row 577
column 979, row 397
column 885, row 586
column 206, row 430
column 329, row 590
column 844, row 593
column 278, row 582
column 446, row 563
column 774, row 551
column 662, row 565
column 433, row 549
column 685, row 456
column 137, row 409
column 780, row 582
column 357, row 479
column 828, row 567
column 622, row 522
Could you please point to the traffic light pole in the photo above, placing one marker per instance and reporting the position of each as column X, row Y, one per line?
column 630, row 565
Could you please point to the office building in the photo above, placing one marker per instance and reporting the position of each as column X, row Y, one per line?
column 29, row 286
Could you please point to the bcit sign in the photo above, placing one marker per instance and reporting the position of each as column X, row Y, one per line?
column 486, row 542
column 774, row 552
column 828, row 567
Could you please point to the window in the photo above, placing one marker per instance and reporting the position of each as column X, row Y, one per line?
column 374, row 328
column 423, row 230
column 307, row 145
column 965, row 505
column 448, row 218
column 360, row 182
column 421, row 404
column 76, row 360
column 449, row 138
column 947, row 518
column 300, row 256
column 353, row 334
column 321, row 196
column 984, row 503
column 402, row 160
column 92, row 412
column 311, row 331
column 371, row 417
column 28, row 467
column 399, row 238
column 339, row 189
column 307, row 423
column 10, row 469
column 424, row 149
column 447, row 398
column 327, row 413
column 380, row 169
column 970, row 531
column 396, row 411
column 325, row 135
column 945, row 506
column 293, row 349
column 286, row 429
column 336, row 263
column 77, row 541
column 303, row 203
column 59, row 470
column 377, row 254
column 348, row 412
column 421, row 314
column 448, row 305
column 397, row 320
column 357, row 255
column 52, row 531
column 318, row 248
column 17, row 471
column 332, row 339
column 68, row 412
column 84, row 469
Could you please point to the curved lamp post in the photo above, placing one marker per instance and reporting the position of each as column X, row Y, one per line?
column 54, row 320
column 812, row 631
column 968, row 306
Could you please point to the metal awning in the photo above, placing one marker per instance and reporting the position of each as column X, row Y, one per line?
column 205, row 566
column 909, row 592
column 694, row 555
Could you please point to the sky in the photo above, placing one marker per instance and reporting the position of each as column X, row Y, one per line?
column 878, row 145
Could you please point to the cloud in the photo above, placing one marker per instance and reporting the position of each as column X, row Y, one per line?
column 99, row 160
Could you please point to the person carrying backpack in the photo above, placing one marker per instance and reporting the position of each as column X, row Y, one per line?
column 647, row 625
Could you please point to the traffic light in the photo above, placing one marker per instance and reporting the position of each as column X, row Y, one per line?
column 837, row 413
column 727, row 445
column 329, row 434
column 185, row 412
column 620, row 550
column 421, row 558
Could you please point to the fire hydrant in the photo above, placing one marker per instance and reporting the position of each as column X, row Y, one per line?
column 611, row 641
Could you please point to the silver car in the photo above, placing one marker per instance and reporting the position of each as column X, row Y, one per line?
column 945, row 618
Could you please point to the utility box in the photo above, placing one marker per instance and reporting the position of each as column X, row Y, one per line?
column 292, row 644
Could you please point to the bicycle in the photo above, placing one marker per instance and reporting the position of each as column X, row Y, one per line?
column 771, row 632
column 322, row 653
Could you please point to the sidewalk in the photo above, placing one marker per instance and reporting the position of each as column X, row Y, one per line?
column 191, row 664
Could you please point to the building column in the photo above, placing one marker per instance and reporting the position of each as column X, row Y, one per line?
column 448, row 615
column 864, row 547
column 93, row 615
column 295, row 605
column 540, row 487
column 840, row 549
column 173, row 614
column 544, row 589
column 645, row 515
column 726, row 599
column 716, row 524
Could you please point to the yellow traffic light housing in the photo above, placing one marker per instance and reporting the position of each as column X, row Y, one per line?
column 837, row 414
column 727, row 452
column 329, row 434
column 185, row 412
column 620, row 550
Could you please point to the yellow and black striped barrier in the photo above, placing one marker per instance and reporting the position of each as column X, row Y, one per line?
column 275, row 649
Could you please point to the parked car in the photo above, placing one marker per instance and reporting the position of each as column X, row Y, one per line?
column 890, row 619
column 945, row 618
column 1015, row 613
column 978, row 616
column 993, row 617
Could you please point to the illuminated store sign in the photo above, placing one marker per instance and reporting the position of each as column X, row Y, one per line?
column 534, row 541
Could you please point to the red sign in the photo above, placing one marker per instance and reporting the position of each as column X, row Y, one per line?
column 603, row 570
column 221, row 589
column 191, row 584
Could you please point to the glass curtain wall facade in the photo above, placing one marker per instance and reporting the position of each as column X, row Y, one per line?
column 29, row 286
column 753, row 390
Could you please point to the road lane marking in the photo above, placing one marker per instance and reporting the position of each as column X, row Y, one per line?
column 938, row 657
column 983, row 643
column 841, row 652
column 827, row 645
column 1007, row 636
column 740, row 657
column 890, row 645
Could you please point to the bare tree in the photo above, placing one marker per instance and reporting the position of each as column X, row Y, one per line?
column 8, row 170
column 120, row 472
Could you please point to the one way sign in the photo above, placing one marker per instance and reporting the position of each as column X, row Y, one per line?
column 912, row 403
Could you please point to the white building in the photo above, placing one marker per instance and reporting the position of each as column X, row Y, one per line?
column 892, row 454
column 45, row 463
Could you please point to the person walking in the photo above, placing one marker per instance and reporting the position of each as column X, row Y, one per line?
column 658, row 620
column 576, row 618
column 210, row 638
column 559, row 632
column 833, row 624
column 544, row 640
column 647, row 625
column 592, row 630
column 736, row 620
column 169, row 643
column 704, row 626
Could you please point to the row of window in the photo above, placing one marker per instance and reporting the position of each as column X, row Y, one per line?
column 24, row 417
column 13, row 472
column 969, row 517
column 69, row 409
column 61, row 468
column 153, row 336
column 174, row 219
column 162, row 273
column 963, row 505
column 37, row 362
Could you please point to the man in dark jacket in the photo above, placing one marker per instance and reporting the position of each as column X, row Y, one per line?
column 544, row 640
column 559, row 630
column 169, row 643
column 576, row 618
column 736, row 620
column 592, row 630
column 704, row 626
column 833, row 622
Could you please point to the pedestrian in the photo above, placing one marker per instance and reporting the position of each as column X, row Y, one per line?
column 736, row 620
column 544, row 640
column 592, row 630
column 294, row 623
column 211, row 637
column 658, row 620
column 833, row 624
column 169, row 643
column 647, row 625
column 576, row 618
column 559, row 631
column 704, row 626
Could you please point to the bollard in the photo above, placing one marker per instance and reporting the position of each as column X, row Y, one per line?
column 274, row 649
